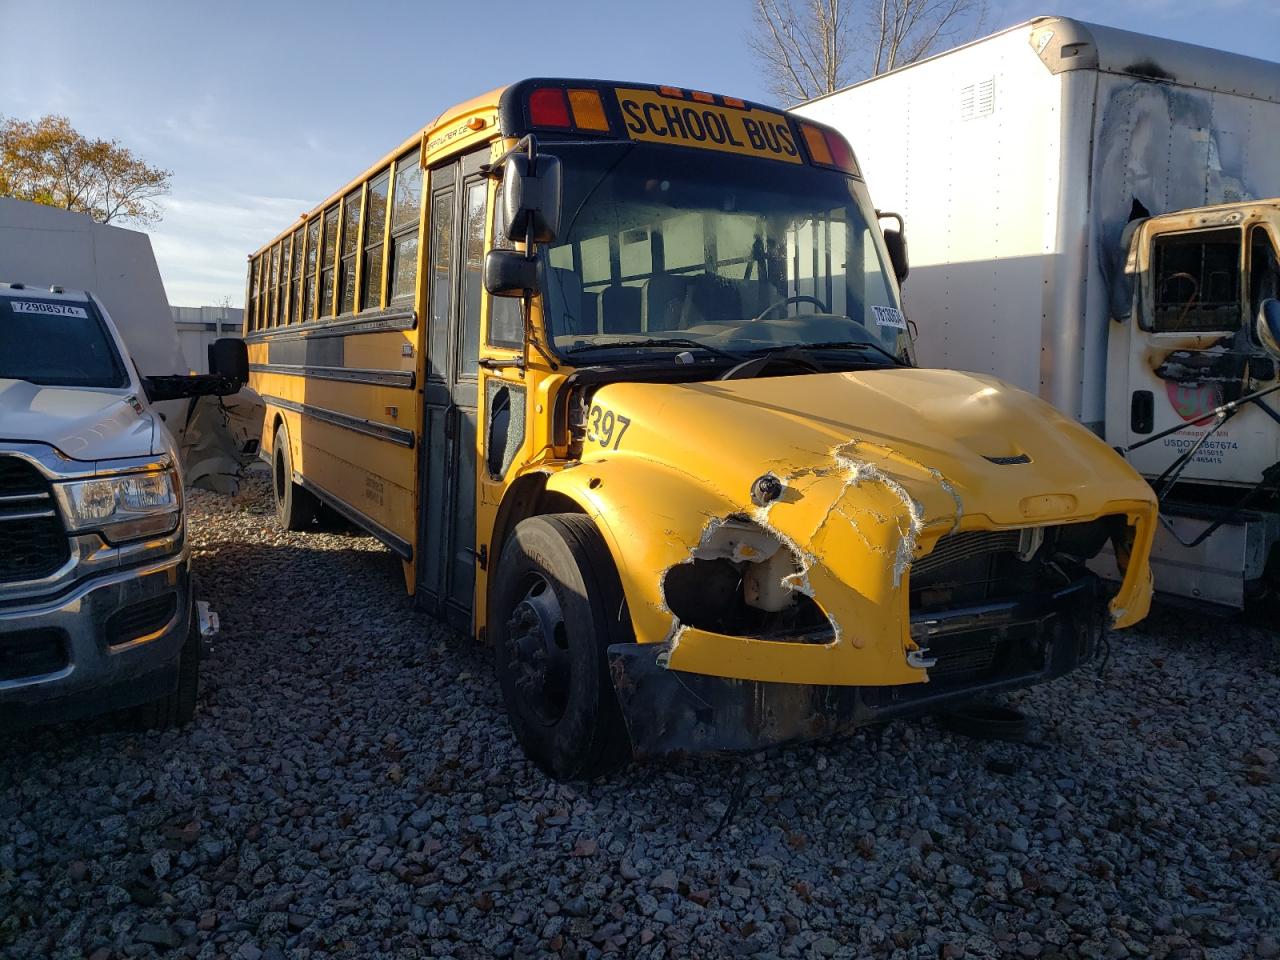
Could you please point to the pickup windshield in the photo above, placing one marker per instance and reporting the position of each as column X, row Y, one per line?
column 57, row 343
column 740, row 254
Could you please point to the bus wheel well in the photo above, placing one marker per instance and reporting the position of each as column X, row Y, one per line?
column 528, row 497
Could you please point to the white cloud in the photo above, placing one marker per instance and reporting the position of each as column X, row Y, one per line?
column 202, row 243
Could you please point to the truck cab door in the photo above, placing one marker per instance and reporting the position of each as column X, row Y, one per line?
column 1187, row 347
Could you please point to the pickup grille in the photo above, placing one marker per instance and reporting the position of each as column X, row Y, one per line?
column 32, row 541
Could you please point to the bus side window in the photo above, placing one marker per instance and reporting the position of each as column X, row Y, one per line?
column 350, row 244
column 295, row 299
column 374, row 230
column 406, row 204
column 309, row 288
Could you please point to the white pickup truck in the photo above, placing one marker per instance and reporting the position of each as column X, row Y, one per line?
column 96, row 605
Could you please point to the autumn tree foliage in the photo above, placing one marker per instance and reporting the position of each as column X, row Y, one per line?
column 48, row 161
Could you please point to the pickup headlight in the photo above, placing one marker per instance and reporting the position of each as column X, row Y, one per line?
column 122, row 508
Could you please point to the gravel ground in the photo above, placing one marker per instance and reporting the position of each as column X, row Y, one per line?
column 351, row 787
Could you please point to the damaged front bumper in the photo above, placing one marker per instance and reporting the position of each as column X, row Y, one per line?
column 976, row 651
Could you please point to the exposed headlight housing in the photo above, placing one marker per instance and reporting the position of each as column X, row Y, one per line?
column 125, row 507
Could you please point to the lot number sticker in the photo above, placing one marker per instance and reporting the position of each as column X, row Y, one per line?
column 890, row 317
column 52, row 309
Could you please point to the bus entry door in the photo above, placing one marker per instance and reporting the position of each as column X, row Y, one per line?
column 455, row 232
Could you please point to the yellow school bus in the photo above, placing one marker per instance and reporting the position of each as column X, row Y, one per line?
column 621, row 373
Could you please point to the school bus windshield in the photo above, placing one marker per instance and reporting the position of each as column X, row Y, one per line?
column 739, row 253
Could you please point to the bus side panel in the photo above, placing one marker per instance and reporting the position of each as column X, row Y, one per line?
column 354, row 440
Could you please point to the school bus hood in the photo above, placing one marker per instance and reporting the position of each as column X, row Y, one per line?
column 959, row 444
column 874, row 468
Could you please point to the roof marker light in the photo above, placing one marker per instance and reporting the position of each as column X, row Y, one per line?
column 588, row 110
column 548, row 108
column 817, row 144
column 702, row 97
column 841, row 152
column 734, row 102
column 671, row 92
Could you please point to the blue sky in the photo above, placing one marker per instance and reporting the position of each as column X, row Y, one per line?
column 262, row 109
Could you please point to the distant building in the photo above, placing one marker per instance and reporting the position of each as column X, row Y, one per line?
column 200, row 326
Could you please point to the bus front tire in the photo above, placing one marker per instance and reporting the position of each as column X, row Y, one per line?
column 295, row 507
column 556, row 605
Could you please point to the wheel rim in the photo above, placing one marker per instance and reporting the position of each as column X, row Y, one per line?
column 538, row 651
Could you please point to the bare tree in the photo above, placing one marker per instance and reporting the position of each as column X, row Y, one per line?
column 804, row 46
column 909, row 30
column 811, row 47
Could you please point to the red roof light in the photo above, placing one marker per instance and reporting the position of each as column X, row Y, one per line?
column 548, row 108
column 841, row 152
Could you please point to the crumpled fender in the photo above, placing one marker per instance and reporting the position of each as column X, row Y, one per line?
column 851, row 522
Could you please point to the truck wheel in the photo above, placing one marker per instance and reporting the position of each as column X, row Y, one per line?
column 555, row 606
column 177, row 708
column 295, row 507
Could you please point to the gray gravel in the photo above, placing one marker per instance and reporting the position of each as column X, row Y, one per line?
column 351, row 787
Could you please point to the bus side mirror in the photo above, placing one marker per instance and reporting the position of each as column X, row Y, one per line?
column 509, row 273
column 229, row 358
column 531, row 197
column 896, row 244
column 1268, row 326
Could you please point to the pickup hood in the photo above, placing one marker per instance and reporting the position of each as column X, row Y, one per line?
column 83, row 423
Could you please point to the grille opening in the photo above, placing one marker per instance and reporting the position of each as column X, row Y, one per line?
column 32, row 653
column 18, row 477
column 986, row 654
column 139, row 619
column 33, row 543
column 982, row 566
column 708, row 595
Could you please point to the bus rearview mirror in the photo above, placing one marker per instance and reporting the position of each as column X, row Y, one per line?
column 531, row 197
column 896, row 244
column 509, row 273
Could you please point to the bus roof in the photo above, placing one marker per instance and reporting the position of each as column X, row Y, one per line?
column 506, row 112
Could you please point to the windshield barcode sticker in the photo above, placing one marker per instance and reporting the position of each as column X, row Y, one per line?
column 52, row 309
column 889, row 317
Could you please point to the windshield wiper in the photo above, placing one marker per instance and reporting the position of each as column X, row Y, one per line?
column 655, row 342
column 851, row 345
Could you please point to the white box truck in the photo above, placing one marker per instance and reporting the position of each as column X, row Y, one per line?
column 1088, row 219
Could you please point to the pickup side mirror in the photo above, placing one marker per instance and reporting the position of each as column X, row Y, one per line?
column 229, row 358
column 531, row 188
column 229, row 366
column 1268, row 326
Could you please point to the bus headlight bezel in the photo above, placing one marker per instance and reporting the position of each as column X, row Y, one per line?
column 123, row 507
